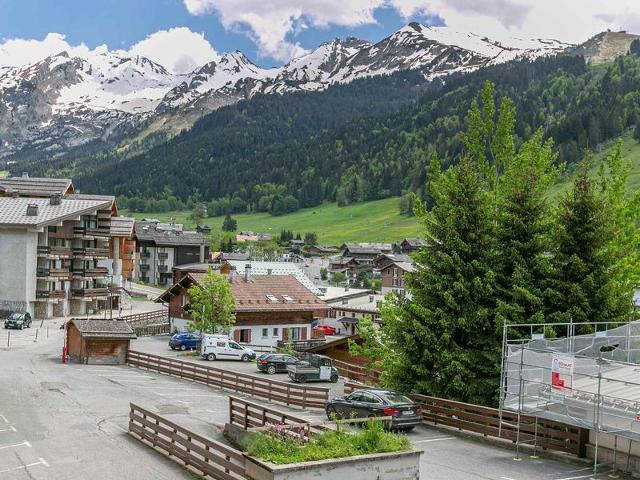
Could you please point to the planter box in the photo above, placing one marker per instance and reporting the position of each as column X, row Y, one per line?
column 379, row 466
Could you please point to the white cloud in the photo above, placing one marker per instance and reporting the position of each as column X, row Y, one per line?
column 178, row 49
column 273, row 24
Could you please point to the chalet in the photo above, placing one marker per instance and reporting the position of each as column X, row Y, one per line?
column 123, row 247
column 26, row 186
column 162, row 246
column 393, row 277
column 386, row 259
column 364, row 253
column 409, row 245
column 320, row 251
column 348, row 305
column 98, row 342
column 346, row 265
column 268, row 307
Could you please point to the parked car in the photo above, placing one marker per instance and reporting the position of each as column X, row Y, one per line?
column 184, row 341
column 18, row 320
column 220, row 347
column 275, row 363
column 327, row 329
column 375, row 402
column 318, row 369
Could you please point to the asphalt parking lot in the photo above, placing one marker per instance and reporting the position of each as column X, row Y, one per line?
column 69, row 423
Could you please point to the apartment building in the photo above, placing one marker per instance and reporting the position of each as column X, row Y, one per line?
column 50, row 249
column 162, row 246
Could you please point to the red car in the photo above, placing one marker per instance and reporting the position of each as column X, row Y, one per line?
column 327, row 329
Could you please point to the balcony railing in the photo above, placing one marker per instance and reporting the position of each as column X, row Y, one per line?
column 99, row 231
column 144, row 267
column 90, row 292
column 163, row 255
column 145, row 254
column 91, row 252
column 163, row 268
column 91, row 272
column 51, row 294
column 53, row 272
column 45, row 250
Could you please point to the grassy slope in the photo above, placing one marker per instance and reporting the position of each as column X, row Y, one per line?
column 365, row 222
column 370, row 221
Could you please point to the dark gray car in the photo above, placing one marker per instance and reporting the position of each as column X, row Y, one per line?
column 376, row 402
column 18, row 320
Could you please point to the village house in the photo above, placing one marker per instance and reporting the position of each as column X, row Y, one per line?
column 55, row 248
column 393, row 277
column 386, row 259
column 364, row 253
column 409, row 245
column 268, row 308
column 123, row 247
column 349, row 305
column 320, row 251
column 162, row 246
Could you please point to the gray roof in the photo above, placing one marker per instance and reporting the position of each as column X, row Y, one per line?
column 103, row 328
column 33, row 186
column 122, row 226
column 415, row 242
column 13, row 211
column 367, row 248
column 406, row 266
column 276, row 268
column 86, row 196
column 150, row 233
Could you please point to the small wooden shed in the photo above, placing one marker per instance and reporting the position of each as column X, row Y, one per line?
column 98, row 342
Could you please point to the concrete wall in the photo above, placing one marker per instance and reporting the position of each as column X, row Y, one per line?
column 384, row 466
column 608, row 444
column 18, row 261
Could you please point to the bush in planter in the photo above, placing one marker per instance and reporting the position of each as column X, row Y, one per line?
column 280, row 448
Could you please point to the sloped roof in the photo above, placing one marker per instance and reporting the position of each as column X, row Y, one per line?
column 276, row 268
column 122, row 226
column 367, row 248
column 148, row 232
column 414, row 242
column 97, row 328
column 255, row 295
column 13, row 211
column 36, row 187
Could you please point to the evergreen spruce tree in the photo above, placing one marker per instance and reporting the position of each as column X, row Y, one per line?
column 523, row 241
column 583, row 262
column 444, row 339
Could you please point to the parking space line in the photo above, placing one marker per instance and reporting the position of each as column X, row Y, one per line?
column 23, row 444
column 186, row 395
column 576, row 478
column 41, row 461
column 437, row 439
column 4, row 418
column 10, row 429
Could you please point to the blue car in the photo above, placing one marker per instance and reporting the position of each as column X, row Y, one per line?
column 184, row 341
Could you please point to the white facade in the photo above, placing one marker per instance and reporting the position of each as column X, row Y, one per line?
column 18, row 263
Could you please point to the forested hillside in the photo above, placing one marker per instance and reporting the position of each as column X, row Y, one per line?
column 358, row 142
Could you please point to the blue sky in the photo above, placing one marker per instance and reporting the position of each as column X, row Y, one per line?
column 121, row 23
column 181, row 34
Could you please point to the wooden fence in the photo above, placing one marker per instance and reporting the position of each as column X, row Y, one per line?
column 207, row 457
column 254, row 385
column 357, row 373
column 153, row 329
column 247, row 415
column 546, row 434
column 156, row 316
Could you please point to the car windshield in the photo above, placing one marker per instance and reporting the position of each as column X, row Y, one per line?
column 396, row 398
column 15, row 316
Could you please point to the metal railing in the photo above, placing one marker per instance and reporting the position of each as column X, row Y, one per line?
column 205, row 456
column 271, row 390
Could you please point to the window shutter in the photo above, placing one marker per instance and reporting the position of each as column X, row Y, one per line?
column 236, row 335
column 249, row 335
column 303, row 333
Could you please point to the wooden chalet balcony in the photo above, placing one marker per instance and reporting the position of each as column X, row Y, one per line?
column 100, row 231
column 53, row 273
column 96, row 272
column 179, row 312
column 45, row 251
column 90, row 292
column 91, row 252
column 50, row 294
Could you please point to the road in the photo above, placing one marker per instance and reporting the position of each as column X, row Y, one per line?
column 69, row 422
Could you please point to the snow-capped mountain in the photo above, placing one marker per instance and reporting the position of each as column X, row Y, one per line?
column 63, row 102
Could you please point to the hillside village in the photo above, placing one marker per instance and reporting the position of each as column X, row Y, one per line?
column 412, row 253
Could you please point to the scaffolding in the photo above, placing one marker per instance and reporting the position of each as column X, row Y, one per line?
column 586, row 375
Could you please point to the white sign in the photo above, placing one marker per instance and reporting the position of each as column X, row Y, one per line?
column 562, row 373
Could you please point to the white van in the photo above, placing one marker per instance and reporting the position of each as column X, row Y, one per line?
column 221, row 347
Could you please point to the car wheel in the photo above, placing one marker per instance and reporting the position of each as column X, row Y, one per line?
column 172, row 348
column 332, row 414
column 183, row 347
column 21, row 327
column 245, row 358
column 211, row 357
column 408, row 429
column 334, row 378
column 302, row 379
column 271, row 369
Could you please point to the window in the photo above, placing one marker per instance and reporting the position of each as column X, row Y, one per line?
column 265, row 332
column 183, row 301
column 244, row 335
column 275, row 332
column 272, row 299
column 353, row 315
column 235, row 346
column 395, row 272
